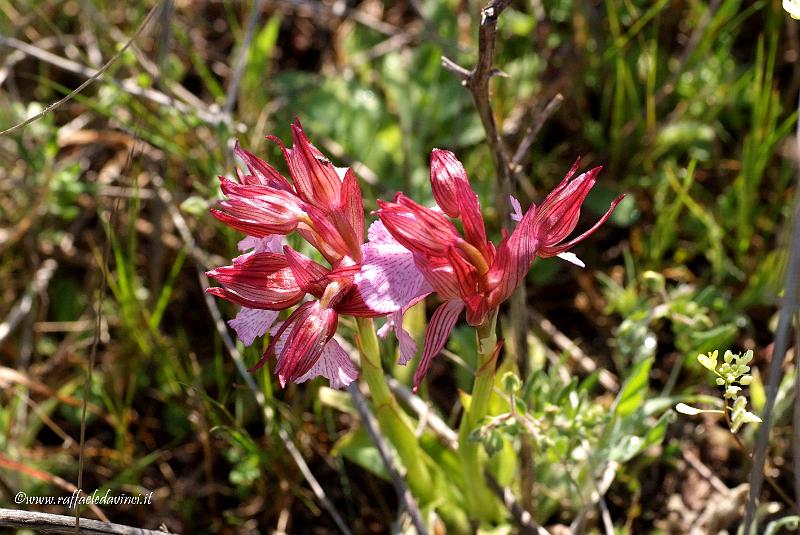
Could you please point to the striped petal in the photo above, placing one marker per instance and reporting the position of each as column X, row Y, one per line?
column 389, row 278
column 262, row 280
column 251, row 323
column 334, row 364
column 446, row 171
column 439, row 329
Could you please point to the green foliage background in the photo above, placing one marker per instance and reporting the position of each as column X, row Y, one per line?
column 688, row 106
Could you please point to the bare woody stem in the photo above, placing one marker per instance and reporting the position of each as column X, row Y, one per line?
column 477, row 83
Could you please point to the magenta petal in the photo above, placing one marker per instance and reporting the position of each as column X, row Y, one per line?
column 311, row 328
column 351, row 205
column 474, row 229
column 260, row 280
column 439, row 328
column 260, row 171
column 417, row 228
column 555, row 250
column 440, row 275
column 446, row 171
column 314, row 177
column 513, row 259
column 250, row 323
column 335, row 365
column 308, row 274
column 389, row 278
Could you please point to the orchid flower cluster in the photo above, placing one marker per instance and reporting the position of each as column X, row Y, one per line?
column 411, row 252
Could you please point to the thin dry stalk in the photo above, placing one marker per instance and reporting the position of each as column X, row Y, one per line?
column 94, row 77
column 241, row 58
column 576, row 354
column 783, row 334
column 399, row 483
column 527, row 525
column 21, row 309
column 129, row 86
column 532, row 132
column 199, row 256
column 47, row 523
column 477, row 83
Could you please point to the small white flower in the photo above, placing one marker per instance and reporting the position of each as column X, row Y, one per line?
column 792, row 7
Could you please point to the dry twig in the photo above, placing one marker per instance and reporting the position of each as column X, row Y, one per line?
column 789, row 309
column 129, row 86
column 47, row 523
column 588, row 365
column 477, row 83
column 198, row 255
column 95, row 76
column 533, row 131
column 40, row 281
column 400, row 486
column 527, row 525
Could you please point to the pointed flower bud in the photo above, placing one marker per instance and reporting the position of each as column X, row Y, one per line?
column 261, row 280
column 258, row 210
column 446, row 171
column 558, row 214
column 417, row 228
column 309, row 329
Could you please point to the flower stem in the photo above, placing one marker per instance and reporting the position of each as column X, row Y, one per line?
column 393, row 422
column 480, row 501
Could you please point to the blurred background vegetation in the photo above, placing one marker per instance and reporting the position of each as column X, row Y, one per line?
column 688, row 105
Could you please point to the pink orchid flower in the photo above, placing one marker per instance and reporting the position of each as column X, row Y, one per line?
column 323, row 204
column 468, row 271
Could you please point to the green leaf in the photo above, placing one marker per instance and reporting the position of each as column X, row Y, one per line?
column 634, row 390
column 631, row 445
column 336, row 399
column 357, row 447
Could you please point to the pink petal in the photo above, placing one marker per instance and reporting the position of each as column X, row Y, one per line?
column 446, row 171
column 439, row 329
column 408, row 346
column 389, row 278
column 261, row 280
column 250, row 323
column 268, row 244
column 516, row 214
column 513, row 259
column 474, row 229
column 260, row 171
column 377, row 233
column 335, row 365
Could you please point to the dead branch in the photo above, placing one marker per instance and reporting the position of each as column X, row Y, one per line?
column 48, row 523
column 477, row 83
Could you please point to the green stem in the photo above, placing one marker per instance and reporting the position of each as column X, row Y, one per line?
column 480, row 502
column 393, row 422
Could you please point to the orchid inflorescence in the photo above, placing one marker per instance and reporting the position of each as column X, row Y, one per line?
column 411, row 252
